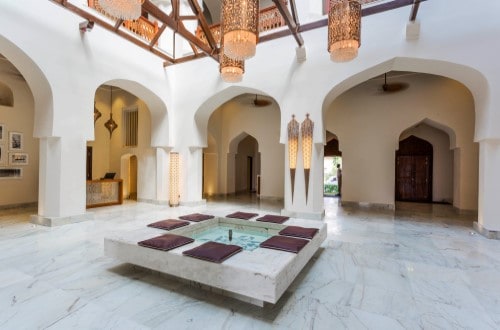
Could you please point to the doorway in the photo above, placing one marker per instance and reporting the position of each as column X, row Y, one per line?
column 332, row 159
column 414, row 170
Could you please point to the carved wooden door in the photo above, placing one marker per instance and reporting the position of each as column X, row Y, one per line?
column 414, row 170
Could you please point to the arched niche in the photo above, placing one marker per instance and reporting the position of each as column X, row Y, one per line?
column 6, row 95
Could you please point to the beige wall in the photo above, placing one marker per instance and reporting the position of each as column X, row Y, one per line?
column 369, row 123
column 231, row 121
column 107, row 153
column 19, row 118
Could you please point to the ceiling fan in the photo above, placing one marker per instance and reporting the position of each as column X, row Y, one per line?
column 261, row 102
column 393, row 86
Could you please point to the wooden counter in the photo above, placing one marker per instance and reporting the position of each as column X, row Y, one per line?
column 104, row 192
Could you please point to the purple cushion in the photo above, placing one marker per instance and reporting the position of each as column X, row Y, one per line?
column 196, row 217
column 284, row 243
column 273, row 218
column 168, row 224
column 297, row 231
column 213, row 251
column 166, row 242
column 242, row 215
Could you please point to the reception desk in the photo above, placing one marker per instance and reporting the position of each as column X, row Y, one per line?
column 104, row 192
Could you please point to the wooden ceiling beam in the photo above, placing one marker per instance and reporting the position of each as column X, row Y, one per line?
column 157, row 35
column 290, row 21
column 195, row 7
column 179, row 28
column 324, row 22
column 110, row 27
column 414, row 10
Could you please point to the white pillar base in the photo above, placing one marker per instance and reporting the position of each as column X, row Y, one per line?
column 491, row 234
column 304, row 215
column 60, row 221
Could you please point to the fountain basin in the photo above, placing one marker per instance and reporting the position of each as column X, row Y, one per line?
column 256, row 276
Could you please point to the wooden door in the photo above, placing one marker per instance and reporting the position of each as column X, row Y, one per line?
column 89, row 163
column 414, row 170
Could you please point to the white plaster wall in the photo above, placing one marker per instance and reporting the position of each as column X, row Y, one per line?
column 447, row 46
column 19, row 118
column 369, row 122
column 442, row 162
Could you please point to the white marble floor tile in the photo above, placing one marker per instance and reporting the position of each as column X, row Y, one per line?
column 419, row 267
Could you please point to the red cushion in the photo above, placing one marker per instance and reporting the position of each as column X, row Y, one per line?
column 166, row 242
column 297, row 231
column 213, row 251
column 196, row 217
column 169, row 224
column 284, row 243
column 242, row 215
column 273, row 218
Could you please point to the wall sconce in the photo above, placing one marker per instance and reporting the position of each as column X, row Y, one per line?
column 293, row 148
column 111, row 125
column 174, row 179
column 307, row 128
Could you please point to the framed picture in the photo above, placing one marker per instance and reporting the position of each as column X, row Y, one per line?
column 16, row 141
column 3, row 154
column 3, row 133
column 17, row 158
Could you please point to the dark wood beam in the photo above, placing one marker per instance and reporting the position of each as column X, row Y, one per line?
column 157, row 35
column 324, row 22
column 110, row 27
column 188, row 17
column 118, row 23
column 414, row 10
column 292, row 24
column 178, row 27
column 195, row 7
column 294, row 12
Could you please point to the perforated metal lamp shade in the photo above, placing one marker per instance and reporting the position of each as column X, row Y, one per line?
column 111, row 125
column 174, row 179
column 122, row 9
column 231, row 70
column 306, row 129
column 240, row 22
column 293, row 148
column 344, row 30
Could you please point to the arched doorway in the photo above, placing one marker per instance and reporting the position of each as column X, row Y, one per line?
column 414, row 170
column 332, row 163
column 129, row 170
column 246, row 165
column 225, row 170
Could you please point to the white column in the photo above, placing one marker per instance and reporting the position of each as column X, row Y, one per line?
column 488, row 222
column 162, row 171
column 313, row 208
column 191, row 167
column 62, row 185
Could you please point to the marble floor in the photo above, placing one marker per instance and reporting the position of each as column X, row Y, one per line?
column 420, row 267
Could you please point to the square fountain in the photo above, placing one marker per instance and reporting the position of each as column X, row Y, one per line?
column 255, row 275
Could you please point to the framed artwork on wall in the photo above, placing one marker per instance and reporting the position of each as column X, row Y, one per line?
column 16, row 141
column 3, row 133
column 3, row 154
column 17, row 158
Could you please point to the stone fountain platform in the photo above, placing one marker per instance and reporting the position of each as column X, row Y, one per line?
column 257, row 277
